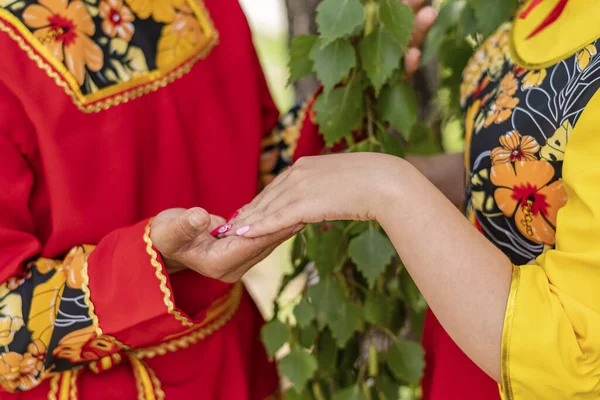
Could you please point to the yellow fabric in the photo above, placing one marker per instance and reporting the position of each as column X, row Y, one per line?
column 551, row 345
column 573, row 30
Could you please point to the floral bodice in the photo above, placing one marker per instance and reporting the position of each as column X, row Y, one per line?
column 517, row 125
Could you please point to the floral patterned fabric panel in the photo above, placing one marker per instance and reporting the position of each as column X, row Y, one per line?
column 517, row 126
column 106, row 47
column 278, row 148
column 46, row 324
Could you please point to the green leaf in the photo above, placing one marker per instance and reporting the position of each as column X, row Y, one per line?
column 274, row 335
column 392, row 144
column 377, row 309
column 333, row 62
column 380, row 56
column 298, row 367
column 345, row 322
column 447, row 18
column 308, row 336
column 305, row 313
column 338, row 18
column 490, row 14
column 398, row 20
column 326, row 296
column 327, row 250
column 340, row 113
column 399, row 106
column 371, row 252
column 468, row 22
column 292, row 394
column 358, row 227
column 406, row 360
column 298, row 250
column 327, row 353
column 300, row 64
column 422, row 141
column 351, row 393
column 387, row 387
column 411, row 293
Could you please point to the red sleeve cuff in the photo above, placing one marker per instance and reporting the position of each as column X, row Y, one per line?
column 129, row 292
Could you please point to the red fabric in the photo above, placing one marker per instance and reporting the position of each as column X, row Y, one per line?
column 449, row 373
column 71, row 178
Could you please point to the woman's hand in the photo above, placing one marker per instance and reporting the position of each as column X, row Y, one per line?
column 315, row 189
column 183, row 237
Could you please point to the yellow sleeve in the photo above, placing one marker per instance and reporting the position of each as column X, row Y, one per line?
column 551, row 340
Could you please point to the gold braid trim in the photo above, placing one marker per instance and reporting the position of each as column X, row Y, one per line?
column 73, row 392
column 53, row 392
column 160, row 395
column 506, row 385
column 117, row 94
column 163, row 279
column 85, row 288
column 143, row 380
column 221, row 313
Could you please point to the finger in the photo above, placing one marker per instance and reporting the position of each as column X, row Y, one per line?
column 264, row 197
column 218, row 225
column 423, row 22
column 183, row 229
column 239, row 254
column 275, row 221
column 414, row 5
column 411, row 61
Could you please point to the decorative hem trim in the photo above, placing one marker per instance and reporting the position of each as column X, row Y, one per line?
column 218, row 315
column 506, row 386
column 118, row 94
column 185, row 321
column 85, row 288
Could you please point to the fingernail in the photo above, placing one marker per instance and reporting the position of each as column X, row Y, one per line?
column 221, row 230
column 195, row 220
column 235, row 214
column 242, row 230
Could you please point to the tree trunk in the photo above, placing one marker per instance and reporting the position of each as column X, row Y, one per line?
column 301, row 18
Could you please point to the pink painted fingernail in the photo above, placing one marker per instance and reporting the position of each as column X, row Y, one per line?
column 242, row 230
column 221, row 230
column 234, row 215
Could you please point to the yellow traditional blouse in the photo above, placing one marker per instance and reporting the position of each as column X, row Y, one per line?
column 532, row 106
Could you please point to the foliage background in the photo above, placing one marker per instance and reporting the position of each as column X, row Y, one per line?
column 347, row 320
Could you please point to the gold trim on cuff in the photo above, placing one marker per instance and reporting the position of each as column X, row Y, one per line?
column 506, row 385
column 85, row 288
column 163, row 279
column 218, row 315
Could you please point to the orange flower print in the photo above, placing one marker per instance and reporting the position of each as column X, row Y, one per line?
column 23, row 372
column 525, row 191
column 534, row 79
column 84, row 345
column 116, row 19
column 508, row 84
column 515, row 147
column 65, row 29
column 501, row 110
column 181, row 38
column 74, row 264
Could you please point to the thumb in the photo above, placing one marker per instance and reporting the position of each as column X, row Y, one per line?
column 181, row 229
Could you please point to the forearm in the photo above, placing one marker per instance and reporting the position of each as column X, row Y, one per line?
column 464, row 278
column 445, row 171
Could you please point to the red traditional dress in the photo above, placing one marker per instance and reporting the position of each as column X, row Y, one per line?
column 532, row 111
column 110, row 112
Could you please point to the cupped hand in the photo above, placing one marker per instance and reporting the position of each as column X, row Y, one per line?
column 183, row 237
column 315, row 189
column 424, row 18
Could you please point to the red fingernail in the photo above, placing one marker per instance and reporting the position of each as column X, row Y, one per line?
column 221, row 230
column 235, row 214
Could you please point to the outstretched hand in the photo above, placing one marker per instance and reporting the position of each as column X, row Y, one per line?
column 316, row 189
column 183, row 237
